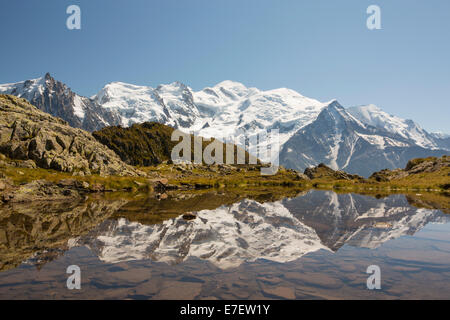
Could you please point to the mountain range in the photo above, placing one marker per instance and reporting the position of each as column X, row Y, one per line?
column 359, row 139
column 342, row 141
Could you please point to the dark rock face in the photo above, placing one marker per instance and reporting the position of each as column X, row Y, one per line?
column 340, row 141
column 57, row 99
column 27, row 133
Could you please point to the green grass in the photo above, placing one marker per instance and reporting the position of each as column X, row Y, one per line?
column 248, row 175
column 242, row 176
column 148, row 143
column 111, row 183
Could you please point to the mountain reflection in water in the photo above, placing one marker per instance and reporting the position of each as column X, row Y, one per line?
column 228, row 234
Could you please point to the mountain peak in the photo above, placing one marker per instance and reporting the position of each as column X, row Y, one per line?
column 173, row 86
column 334, row 104
column 178, row 84
column 335, row 108
column 371, row 107
column 335, row 112
column 374, row 116
column 231, row 86
column 440, row 135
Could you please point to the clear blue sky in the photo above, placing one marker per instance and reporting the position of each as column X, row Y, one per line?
column 321, row 49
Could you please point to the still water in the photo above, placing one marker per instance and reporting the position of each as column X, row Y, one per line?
column 315, row 245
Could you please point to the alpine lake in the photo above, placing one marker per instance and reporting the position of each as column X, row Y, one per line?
column 222, row 244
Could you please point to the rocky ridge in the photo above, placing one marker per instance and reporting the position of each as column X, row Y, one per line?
column 57, row 99
column 413, row 167
column 27, row 133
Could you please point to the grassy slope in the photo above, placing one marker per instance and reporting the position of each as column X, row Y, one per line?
column 141, row 144
column 146, row 144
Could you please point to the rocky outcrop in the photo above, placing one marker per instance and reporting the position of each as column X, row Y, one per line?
column 324, row 172
column 431, row 164
column 302, row 176
column 413, row 167
column 27, row 133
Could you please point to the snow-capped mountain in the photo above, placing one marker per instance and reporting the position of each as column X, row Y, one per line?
column 440, row 135
column 170, row 104
column 281, row 231
column 240, row 113
column 233, row 107
column 442, row 140
column 56, row 98
column 226, row 110
column 408, row 129
column 358, row 139
column 341, row 141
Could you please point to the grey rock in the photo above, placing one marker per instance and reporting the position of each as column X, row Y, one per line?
column 27, row 133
